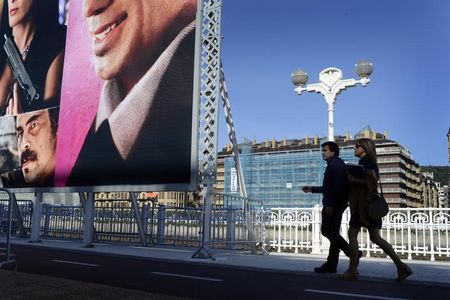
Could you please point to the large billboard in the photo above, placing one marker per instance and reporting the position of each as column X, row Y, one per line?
column 100, row 96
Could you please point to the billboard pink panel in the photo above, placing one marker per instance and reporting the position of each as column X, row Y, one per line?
column 134, row 125
column 80, row 94
column 108, row 100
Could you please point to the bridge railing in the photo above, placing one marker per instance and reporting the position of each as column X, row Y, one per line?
column 229, row 229
column 25, row 210
column 415, row 233
column 115, row 221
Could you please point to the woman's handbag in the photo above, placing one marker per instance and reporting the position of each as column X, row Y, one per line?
column 378, row 207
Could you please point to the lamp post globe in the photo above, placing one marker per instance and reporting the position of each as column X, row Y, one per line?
column 364, row 68
column 299, row 77
column 330, row 85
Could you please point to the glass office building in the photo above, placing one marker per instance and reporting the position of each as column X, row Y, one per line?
column 276, row 172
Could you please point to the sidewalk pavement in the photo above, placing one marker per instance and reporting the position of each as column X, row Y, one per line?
column 425, row 272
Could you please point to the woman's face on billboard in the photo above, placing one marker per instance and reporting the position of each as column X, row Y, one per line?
column 19, row 11
column 128, row 36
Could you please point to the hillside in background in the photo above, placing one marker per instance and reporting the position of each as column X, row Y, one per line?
column 441, row 174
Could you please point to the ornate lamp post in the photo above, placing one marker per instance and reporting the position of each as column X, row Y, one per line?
column 330, row 85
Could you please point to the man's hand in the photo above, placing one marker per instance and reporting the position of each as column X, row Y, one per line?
column 329, row 210
column 307, row 189
column 13, row 107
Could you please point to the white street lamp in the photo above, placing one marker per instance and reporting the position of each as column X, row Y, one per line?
column 330, row 85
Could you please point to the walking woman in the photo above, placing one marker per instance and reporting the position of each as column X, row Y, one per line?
column 361, row 193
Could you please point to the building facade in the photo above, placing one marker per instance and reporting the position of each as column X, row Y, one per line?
column 276, row 171
column 179, row 199
column 448, row 140
column 168, row 198
column 430, row 190
column 443, row 195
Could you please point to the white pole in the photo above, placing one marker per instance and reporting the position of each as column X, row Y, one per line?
column 330, row 98
column 331, row 122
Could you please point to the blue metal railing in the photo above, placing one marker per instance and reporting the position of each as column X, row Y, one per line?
column 163, row 225
column 25, row 210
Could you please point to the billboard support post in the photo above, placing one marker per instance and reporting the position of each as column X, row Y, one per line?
column 203, row 251
column 138, row 218
column 88, row 235
column 209, row 37
column 36, row 218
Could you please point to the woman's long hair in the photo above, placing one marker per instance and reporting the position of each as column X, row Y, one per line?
column 371, row 154
column 4, row 28
column 47, row 14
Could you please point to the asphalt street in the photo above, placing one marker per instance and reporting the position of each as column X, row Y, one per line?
column 207, row 279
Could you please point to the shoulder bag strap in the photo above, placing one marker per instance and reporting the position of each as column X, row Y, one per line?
column 381, row 186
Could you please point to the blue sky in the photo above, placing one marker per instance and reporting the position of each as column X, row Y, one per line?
column 408, row 42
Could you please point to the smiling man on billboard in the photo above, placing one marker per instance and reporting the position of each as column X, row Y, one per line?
column 142, row 131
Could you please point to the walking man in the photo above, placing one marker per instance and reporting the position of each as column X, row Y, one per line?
column 335, row 193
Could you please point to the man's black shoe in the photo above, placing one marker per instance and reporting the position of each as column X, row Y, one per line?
column 324, row 269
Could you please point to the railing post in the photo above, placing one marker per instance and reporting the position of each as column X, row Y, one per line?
column 409, row 234
column 280, row 228
column 145, row 211
column 431, row 225
column 263, row 229
column 47, row 211
column 161, row 225
column 296, row 225
column 36, row 218
column 345, row 224
column 231, row 234
column 152, row 223
column 316, row 219
column 249, row 225
column 1, row 218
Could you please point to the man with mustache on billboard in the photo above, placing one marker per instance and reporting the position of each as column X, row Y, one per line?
column 36, row 140
column 144, row 51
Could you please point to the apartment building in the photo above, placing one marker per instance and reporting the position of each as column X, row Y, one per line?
column 275, row 171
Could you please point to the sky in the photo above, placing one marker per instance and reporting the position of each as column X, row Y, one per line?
column 408, row 42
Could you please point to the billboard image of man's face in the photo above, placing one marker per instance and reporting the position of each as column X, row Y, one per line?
column 128, row 36
column 34, row 147
column 36, row 138
column 121, row 75
column 127, row 99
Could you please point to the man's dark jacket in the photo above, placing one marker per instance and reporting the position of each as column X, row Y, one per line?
column 335, row 185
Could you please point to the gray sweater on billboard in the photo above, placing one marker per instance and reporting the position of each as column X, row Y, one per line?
column 146, row 137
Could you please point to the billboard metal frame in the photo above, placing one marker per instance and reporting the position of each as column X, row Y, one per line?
column 206, row 97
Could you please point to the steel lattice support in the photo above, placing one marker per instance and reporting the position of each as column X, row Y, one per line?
column 209, row 89
column 232, row 134
column 237, row 161
column 210, row 30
